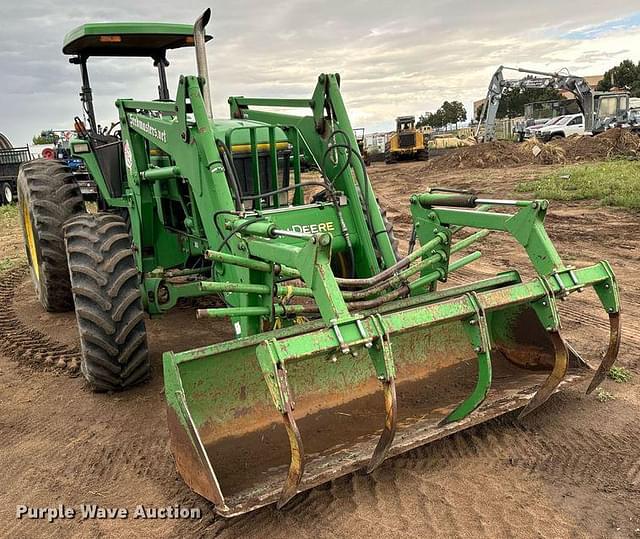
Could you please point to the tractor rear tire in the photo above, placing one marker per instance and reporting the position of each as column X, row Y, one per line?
column 106, row 292
column 48, row 196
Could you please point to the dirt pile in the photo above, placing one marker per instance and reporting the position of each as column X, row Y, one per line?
column 612, row 143
column 500, row 154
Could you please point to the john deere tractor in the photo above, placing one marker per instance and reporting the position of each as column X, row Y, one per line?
column 346, row 352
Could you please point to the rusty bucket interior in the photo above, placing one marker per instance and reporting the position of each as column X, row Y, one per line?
column 230, row 443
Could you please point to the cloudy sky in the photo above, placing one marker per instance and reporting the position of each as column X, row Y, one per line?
column 395, row 57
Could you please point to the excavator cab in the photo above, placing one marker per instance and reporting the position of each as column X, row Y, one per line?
column 611, row 108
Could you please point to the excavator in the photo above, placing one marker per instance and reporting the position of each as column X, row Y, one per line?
column 600, row 109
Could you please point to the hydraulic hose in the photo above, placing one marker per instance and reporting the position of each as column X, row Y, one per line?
column 227, row 161
column 391, row 270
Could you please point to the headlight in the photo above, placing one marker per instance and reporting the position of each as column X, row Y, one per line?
column 81, row 147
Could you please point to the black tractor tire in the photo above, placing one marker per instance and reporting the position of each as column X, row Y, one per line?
column 423, row 155
column 48, row 196
column 7, row 193
column 106, row 292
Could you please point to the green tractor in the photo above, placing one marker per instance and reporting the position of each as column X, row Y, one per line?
column 341, row 343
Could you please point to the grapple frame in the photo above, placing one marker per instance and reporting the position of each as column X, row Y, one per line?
column 502, row 316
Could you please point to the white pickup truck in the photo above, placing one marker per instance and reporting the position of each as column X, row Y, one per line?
column 571, row 124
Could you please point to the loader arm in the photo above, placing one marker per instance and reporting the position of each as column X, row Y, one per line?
column 328, row 127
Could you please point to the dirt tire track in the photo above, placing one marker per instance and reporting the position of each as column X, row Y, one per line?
column 26, row 344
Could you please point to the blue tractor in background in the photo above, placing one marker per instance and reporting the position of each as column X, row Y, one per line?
column 61, row 151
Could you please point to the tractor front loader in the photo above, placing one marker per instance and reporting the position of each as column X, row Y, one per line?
column 346, row 353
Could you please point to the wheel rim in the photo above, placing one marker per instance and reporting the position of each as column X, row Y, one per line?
column 8, row 194
column 30, row 240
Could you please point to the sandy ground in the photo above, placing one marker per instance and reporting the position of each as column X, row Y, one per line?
column 570, row 469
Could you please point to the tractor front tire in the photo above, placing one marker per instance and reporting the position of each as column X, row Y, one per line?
column 106, row 293
column 48, row 196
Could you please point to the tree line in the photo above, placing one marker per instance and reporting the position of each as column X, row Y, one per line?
column 623, row 76
column 449, row 113
column 46, row 137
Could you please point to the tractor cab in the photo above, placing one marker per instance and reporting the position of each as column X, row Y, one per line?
column 611, row 108
column 130, row 40
column 253, row 170
column 142, row 40
column 406, row 129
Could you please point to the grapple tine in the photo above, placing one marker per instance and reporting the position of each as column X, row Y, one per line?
column 479, row 393
column 275, row 374
column 558, row 372
column 390, row 423
column 382, row 357
column 610, row 355
column 478, row 332
column 296, row 466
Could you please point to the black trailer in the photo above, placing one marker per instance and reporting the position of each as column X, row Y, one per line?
column 10, row 161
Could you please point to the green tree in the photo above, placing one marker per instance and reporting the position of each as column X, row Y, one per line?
column 626, row 74
column 451, row 112
column 46, row 137
column 513, row 100
column 456, row 112
column 424, row 119
column 434, row 119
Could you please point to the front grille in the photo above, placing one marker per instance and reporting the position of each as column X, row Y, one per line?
column 407, row 140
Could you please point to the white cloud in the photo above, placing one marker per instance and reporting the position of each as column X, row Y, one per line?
column 394, row 57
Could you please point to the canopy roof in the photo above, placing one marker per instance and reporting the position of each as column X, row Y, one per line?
column 127, row 39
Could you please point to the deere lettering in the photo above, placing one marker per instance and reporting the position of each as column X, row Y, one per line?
column 313, row 228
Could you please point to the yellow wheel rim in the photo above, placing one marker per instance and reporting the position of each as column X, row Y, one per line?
column 31, row 241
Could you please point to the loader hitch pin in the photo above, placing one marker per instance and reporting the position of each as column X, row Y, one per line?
column 478, row 332
column 344, row 347
column 563, row 291
column 574, row 278
column 363, row 333
column 547, row 311
column 382, row 358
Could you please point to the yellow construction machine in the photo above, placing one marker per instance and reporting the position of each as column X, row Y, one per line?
column 406, row 142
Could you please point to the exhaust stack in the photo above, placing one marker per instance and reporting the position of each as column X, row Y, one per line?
column 200, row 39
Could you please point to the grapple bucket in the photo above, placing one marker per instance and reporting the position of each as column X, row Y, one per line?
column 255, row 421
